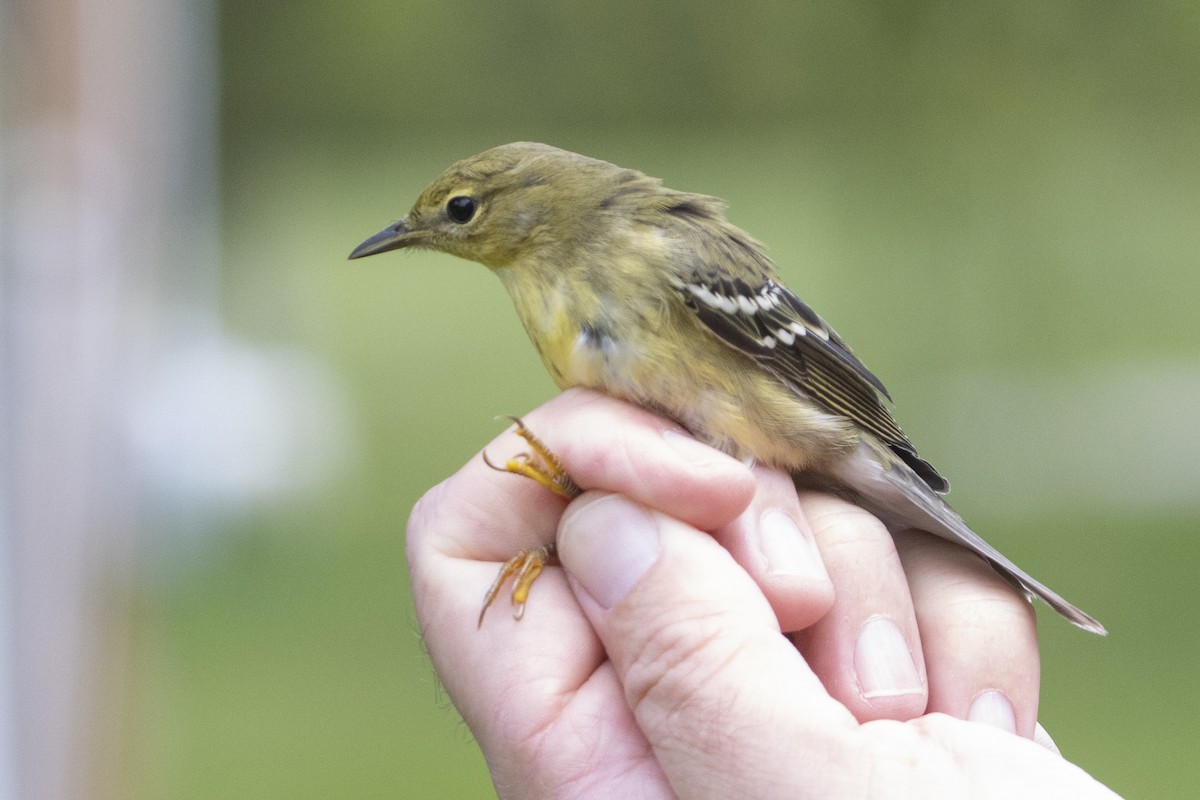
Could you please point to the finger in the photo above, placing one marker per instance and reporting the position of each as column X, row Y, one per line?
column 978, row 633
column 609, row 445
column 523, row 688
column 697, row 649
column 771, row 540
column 867, row 649
column 553, row 647
column 605, row 444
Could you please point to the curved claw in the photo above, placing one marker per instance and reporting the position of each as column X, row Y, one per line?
column 542, row 465
column 524, row 567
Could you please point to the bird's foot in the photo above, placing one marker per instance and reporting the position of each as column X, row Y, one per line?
column 543, row 466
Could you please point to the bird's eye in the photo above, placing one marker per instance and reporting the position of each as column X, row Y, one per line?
column 461, row 208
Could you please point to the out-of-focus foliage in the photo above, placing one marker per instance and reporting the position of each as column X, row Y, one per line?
column 418, row 67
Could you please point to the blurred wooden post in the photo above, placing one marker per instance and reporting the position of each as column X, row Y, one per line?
column 105, row 201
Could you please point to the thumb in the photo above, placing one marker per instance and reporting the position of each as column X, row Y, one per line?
column 696, row 647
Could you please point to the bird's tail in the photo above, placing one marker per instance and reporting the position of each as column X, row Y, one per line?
column 882, row 484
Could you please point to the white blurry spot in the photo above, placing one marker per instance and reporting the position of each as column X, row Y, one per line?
column 222, row 424
column 1120, row 436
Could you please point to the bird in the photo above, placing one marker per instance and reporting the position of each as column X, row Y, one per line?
column 651, row 295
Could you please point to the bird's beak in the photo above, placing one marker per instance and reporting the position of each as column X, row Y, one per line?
column 392, row 237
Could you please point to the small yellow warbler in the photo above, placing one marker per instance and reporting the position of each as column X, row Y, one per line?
column 651, row 295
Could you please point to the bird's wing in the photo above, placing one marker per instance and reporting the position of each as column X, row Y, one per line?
column 768, row 322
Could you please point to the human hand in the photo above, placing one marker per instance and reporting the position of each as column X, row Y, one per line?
column 669, row 675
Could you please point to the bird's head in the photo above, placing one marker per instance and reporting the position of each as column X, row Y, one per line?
column 501, row 205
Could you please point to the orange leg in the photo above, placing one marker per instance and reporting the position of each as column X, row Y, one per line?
column 524, row 569
column 542, row 466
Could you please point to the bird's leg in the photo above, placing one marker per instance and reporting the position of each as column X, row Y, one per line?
column 543, row 466
column 524, row 569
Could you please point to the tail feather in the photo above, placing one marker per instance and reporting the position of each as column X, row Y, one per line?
column 887, row 487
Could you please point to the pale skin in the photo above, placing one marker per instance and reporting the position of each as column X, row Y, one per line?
column 713, row 634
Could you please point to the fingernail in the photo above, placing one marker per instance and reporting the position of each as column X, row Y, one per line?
column 607, row 545
column 1042, row 737
column 883, row 661
column 993, row 708
column 691, row 448
column 788, row 549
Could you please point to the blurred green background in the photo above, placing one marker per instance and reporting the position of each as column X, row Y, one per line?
column 996, row 204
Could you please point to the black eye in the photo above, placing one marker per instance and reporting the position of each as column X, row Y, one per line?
column 461, row 208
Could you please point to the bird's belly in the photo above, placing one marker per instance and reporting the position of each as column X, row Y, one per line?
column 733, row 406
column 749, row 416
column 597, row 361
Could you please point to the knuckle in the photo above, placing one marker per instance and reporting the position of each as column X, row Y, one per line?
column 676, row 680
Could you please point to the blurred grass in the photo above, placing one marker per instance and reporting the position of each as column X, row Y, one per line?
column 1125, row 707
column 952, row 186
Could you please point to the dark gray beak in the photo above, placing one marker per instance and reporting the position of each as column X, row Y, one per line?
column 392, row 237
